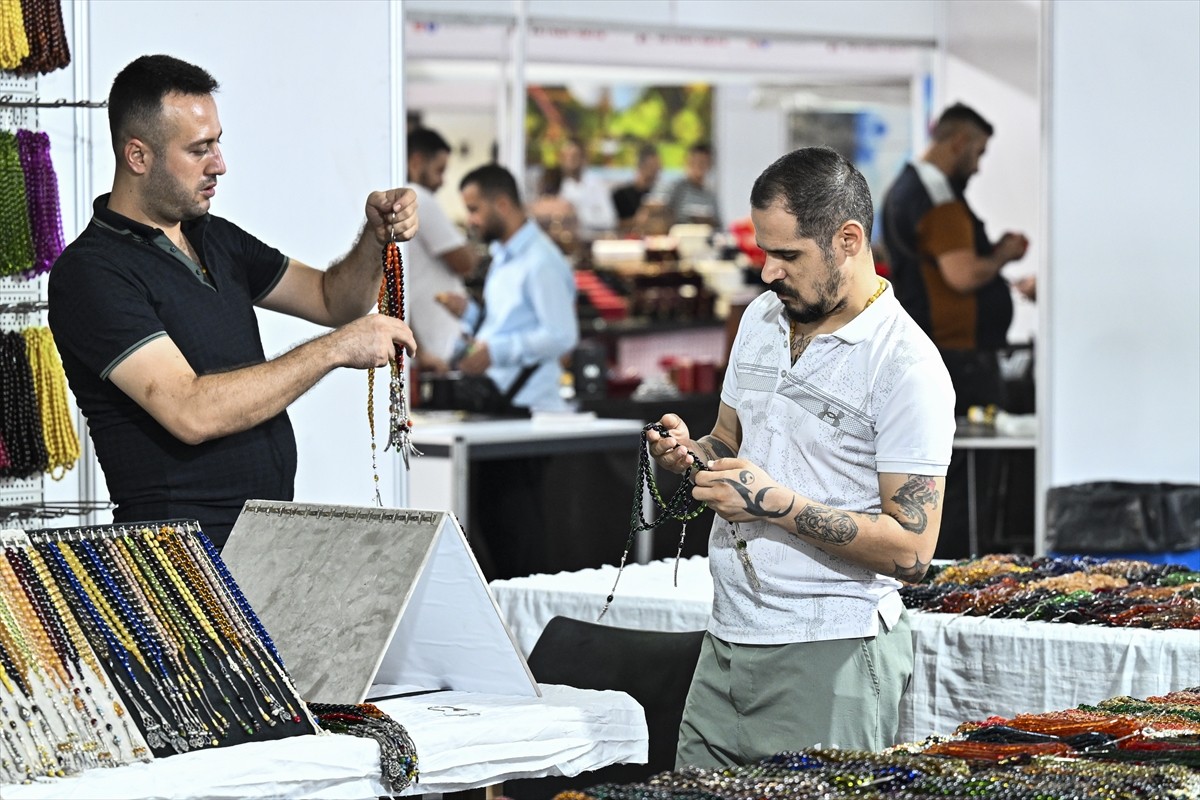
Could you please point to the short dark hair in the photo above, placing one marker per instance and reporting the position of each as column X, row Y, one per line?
column 426, row 142
column 135, row 99
column 493, row 180
column 701, row 147
column 821, row 189
column 647, row 151
column 955, row 117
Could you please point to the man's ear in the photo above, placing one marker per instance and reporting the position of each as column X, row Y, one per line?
column 851, row 238
column 138, row 156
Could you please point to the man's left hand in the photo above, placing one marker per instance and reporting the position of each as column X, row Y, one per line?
column 740, row 491
column 392, row 214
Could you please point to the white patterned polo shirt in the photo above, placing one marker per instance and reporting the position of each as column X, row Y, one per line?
column 872, row 397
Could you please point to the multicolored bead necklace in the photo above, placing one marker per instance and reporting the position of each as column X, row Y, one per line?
column 391, row 304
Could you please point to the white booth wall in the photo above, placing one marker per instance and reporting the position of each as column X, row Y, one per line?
column 1121, row 380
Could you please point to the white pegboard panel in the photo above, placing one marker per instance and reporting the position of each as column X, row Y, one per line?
column 20, row 491
column 20, row 89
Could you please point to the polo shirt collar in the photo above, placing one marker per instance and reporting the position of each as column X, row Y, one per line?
column 525, row 235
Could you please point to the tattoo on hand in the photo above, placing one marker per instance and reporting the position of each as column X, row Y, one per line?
column 916, row 493
column 826, row 525
column 746, row 477
column 715, row 448
column 754, row 504
column 911, row 574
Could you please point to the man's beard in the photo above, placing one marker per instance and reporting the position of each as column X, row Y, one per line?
column 829, row 299
column 171, row 199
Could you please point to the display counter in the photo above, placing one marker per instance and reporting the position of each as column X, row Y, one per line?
column 965, row 667
column 463, row 741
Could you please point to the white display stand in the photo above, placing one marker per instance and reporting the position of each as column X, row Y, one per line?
column 372, row 602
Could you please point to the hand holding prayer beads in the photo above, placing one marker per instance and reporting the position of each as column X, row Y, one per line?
column 679, row 507
column 392, row 215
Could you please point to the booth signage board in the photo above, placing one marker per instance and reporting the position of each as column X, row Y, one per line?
column 368, row 602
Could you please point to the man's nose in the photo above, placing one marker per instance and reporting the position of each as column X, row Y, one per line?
column 771, row 270
column 218, row 162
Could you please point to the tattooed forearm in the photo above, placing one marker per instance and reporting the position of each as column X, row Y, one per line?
column 754, row 505
column 917, row 492
column 911, row 574
column 826, row 525
column 714, row 448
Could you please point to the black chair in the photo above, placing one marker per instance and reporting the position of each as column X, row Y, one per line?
column 653, row 667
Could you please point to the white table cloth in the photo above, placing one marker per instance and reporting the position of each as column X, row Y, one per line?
column 966, row 668
column 491, row 739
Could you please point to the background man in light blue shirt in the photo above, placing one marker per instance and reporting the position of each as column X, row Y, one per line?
column 529, row 294
column 529, row 319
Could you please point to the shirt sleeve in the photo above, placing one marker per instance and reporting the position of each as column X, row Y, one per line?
column 100, row 314
column 946, row 228
column 914, row 430
column 437, row 232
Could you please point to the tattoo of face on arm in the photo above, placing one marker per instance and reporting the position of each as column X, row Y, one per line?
column 714, row 448
column 911, row 574
column 917, row 492
column 826, row 525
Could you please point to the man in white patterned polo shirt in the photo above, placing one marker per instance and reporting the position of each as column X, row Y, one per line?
column 826, row 471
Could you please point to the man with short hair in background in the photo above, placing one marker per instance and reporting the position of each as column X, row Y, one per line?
column 947, row 276
column 439, row 257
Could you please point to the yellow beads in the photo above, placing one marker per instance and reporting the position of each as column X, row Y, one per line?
column 50, row 386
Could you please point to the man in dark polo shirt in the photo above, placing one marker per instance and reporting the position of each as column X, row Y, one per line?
column 946, row 273
column 152, row 309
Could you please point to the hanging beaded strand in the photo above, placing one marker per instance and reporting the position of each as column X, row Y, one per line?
column 391, row 303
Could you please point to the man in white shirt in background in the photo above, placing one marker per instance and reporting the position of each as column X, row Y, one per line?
column 586, row 191
column 439, row 257
column 689, row 199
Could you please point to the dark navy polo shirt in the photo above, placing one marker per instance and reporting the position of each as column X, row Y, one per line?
column 122, row 284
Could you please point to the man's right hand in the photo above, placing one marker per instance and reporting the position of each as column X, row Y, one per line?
column 1012, row 246
column 371, row 341
column 671, row 451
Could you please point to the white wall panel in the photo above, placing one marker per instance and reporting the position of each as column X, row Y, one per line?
column 1124, row 264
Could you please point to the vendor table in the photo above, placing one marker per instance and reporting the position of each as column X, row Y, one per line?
column 463, row 741
column 965, row 668
column 440, row 479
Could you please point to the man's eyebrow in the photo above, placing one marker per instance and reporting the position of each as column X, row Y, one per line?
column 778, row 250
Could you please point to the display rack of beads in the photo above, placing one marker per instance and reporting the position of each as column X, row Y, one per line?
column 59, row 712
column 188, row 656
column 22, row 487
column 40, row 416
